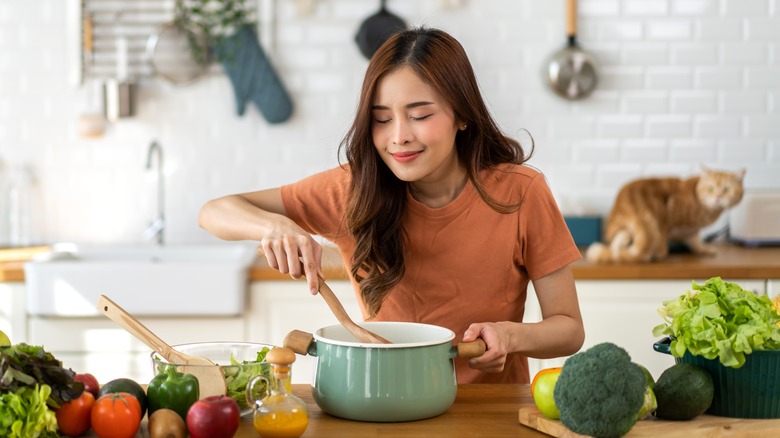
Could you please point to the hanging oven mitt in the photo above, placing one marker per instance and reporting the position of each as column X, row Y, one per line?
column 253, row 77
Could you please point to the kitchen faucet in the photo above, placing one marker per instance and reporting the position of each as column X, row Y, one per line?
column 157, row 227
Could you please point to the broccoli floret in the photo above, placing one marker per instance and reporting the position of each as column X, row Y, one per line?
column 600, row 391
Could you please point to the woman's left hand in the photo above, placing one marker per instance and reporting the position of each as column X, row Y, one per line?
column 496, row 339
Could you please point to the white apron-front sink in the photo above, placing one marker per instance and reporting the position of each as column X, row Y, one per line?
column 145, row 280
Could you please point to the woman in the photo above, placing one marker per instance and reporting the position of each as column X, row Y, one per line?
column 436, row 217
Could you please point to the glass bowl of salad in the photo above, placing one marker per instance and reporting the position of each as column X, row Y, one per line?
column 239, row 362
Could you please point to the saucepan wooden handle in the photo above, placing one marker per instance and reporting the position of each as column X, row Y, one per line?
column 298, row 341
column 471, row 349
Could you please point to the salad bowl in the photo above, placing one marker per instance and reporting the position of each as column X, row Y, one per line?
column 239, row 362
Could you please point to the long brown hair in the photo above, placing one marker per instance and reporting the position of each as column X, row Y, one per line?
column 377, row 199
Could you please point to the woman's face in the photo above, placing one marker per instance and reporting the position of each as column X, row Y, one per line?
column 414, row 129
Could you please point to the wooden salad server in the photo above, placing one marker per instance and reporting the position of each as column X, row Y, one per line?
column 357, row 331
column 211, row 381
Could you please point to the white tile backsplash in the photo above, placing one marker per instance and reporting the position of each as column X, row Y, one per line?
column 645, row 8
column 682, row 82
column 694, row 8
column 669, row 29
column 747, row 8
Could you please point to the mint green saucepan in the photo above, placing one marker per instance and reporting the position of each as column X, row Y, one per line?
column 411, row 379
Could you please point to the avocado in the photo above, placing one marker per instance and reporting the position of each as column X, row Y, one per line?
column 683, row 391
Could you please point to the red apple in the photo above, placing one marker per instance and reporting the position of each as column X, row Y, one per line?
column 90, row 382
column 216, row 416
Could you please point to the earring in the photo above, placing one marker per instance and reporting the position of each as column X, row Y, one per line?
column 463, row 128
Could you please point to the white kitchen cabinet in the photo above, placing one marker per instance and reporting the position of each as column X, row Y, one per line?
column 13, row 316
column 624, row 312
column 101, row 347
column 278, row 307
column 773, row 287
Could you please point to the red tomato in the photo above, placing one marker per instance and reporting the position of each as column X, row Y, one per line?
column 73, row 417
column 116, row 415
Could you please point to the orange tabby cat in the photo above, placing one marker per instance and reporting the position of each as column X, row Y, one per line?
column 649, row 213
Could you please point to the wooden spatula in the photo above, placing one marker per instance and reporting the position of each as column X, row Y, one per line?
column 357, row 331
column 211, row 381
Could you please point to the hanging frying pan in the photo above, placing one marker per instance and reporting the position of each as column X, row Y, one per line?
column 572, row 72
column 376, row 29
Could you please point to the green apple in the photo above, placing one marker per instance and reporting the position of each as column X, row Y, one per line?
column 4, row 339
column 542, row 391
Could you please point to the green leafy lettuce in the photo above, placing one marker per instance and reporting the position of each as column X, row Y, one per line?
column 240, row 373
column 720, row 320
column 24, row 365
column 24, row 413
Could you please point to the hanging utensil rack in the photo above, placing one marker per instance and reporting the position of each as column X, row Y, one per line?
column 95, row 26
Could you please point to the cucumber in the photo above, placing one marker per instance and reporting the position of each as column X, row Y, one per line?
column 129, row 386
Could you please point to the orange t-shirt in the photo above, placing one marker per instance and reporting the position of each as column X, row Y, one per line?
column 466, row 263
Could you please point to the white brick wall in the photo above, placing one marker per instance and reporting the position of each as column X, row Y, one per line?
column 683, row 82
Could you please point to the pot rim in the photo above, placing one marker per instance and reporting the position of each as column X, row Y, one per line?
column 386, row 329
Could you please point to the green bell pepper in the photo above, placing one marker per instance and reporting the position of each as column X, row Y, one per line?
column 172, row 390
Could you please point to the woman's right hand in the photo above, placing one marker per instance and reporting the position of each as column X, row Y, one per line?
column 261, row 215
column 291, row 250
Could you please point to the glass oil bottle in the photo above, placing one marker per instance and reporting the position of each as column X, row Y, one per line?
column 280, row 414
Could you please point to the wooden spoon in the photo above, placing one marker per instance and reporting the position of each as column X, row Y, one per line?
column 357, row 331
column 211, row 381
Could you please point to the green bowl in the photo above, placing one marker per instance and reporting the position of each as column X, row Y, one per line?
column 752, row 391
column 236, row 376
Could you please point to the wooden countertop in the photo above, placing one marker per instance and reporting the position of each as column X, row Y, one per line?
column 498, row 411
column 731, row 262
column 478, row 411
column 12, row 261
column 11, row 271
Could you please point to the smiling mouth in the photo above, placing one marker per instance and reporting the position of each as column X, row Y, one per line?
column 404, row 157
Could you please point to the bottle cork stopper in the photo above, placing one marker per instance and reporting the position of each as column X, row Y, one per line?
column 280, row 356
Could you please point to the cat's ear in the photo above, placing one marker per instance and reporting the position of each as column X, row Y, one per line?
column 704, row 169
column 741, row 174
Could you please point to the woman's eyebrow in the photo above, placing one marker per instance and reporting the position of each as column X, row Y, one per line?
column 408, row 106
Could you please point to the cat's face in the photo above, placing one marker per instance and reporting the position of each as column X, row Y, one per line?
column 719, row 189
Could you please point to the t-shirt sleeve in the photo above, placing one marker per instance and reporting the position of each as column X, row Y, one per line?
column 318, row 203
column 547, row 242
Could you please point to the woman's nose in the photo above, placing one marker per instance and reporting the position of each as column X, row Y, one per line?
column 401, row 132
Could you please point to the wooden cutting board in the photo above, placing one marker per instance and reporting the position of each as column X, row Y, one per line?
column 701, row 426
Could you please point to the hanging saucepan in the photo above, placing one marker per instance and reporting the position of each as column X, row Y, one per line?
column 572, row 72
column 411, row 379
column 376, row 29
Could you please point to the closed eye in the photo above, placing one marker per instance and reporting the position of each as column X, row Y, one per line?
column 417, row 119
